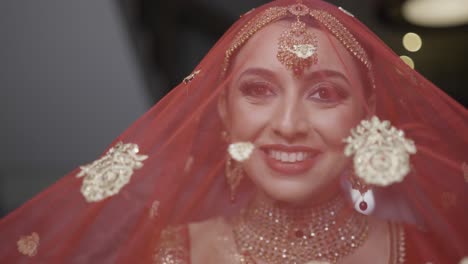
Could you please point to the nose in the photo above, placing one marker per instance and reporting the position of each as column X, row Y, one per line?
column 290, row 121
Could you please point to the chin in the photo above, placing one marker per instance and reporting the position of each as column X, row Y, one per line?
column 293, row 193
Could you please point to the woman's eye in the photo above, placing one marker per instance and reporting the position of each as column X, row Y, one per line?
column 327, row 94
column 257, row 90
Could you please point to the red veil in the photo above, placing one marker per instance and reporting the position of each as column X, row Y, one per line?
column 167, row 169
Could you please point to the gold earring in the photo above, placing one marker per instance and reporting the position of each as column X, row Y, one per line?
column 361, row 195
column 234, row 175
column 381, row 152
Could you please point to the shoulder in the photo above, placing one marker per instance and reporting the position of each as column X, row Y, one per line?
column 173, row 246
column 193, row 243
column 200, row 231
column 210, row 240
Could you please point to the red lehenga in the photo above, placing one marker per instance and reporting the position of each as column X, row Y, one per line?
column 159, row 193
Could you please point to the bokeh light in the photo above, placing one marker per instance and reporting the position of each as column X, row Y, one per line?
column 412, row 42
column 436, row 13
column 408, row 61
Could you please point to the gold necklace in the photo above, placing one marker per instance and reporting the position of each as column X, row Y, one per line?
column 279, row 234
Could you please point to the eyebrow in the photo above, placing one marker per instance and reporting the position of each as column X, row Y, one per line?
column 270, row 75
column 327, row 73
column 267, row 74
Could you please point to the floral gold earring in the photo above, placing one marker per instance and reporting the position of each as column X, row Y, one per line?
column 237, row 153
column 381, row 152
column 381, row 158
column 234, row 174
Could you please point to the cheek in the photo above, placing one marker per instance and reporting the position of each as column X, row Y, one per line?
column 248, row 120
column 335, row 124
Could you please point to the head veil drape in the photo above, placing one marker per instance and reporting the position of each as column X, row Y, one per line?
column 168, row 167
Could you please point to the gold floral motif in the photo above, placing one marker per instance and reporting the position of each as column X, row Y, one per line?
column 107, row 175
column 172, row 248
column 241, row 151
column 191, row 76
column 27, row 245
column 381, row 152
column 154, row 209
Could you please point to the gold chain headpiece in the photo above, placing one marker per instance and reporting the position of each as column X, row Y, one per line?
column 298, row 53
column 297, row 48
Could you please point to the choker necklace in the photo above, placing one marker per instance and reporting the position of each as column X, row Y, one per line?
column 279, row 234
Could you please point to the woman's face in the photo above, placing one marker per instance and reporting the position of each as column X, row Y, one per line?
column 297, row 123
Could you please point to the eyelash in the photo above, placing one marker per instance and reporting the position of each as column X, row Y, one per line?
column 339, row 93
column 262, row 90
column 257, row 90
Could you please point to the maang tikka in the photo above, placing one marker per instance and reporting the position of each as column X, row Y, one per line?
column 297, row 48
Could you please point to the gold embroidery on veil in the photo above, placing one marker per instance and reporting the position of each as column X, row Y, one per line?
column 107, row 175
column 172, row 248
column 28, row 245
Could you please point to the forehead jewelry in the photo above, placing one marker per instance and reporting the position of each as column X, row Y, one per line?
column 297, row 48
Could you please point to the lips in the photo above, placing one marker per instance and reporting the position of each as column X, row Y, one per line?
column 290, row 160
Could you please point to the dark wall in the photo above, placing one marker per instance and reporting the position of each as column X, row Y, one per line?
column 75, row 74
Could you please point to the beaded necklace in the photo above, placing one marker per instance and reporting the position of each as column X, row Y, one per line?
column 279, row 234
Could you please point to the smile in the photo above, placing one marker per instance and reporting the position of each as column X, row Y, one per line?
column 287, row 156
column 289, row 160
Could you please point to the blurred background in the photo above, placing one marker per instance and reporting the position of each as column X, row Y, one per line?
column 75, row 74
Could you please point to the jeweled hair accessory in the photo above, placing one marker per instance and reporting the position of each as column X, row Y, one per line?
column 297, row 48
column 381, row 152
column 305, row 49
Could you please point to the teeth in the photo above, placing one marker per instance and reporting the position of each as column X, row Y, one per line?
column 288, row 156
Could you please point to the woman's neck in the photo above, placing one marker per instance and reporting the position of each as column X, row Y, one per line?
column 264, row 209
column 327, row 231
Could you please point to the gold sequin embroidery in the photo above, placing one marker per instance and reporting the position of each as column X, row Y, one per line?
column 398, row 243
column 342, row 34
column 153, row 212
column 254, row 25
column 172, row 248
column 345, row 11
column 465, row 171
column 188, row 164
column 28, row 245
column 107, row 175
column 192, row 76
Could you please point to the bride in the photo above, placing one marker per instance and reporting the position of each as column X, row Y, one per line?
column 300, row 138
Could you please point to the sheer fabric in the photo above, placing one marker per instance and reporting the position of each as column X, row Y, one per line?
column 166, row 199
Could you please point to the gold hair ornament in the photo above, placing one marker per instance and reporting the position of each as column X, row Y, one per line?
column 276, row 13
column 297, row 48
